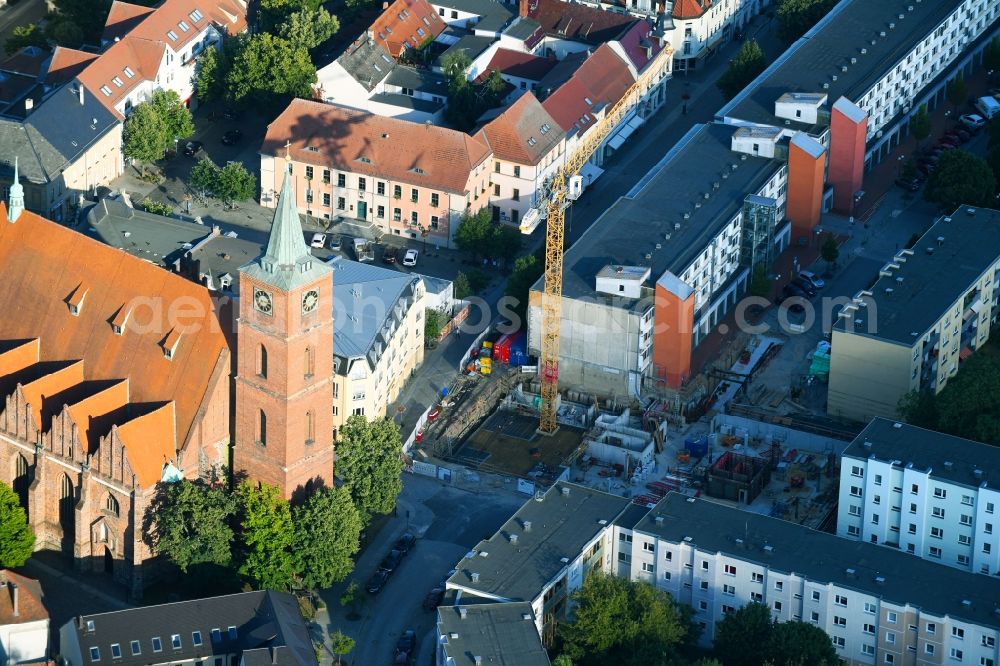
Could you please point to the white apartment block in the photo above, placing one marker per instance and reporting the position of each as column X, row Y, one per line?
column 924, row 493
column 877, row 605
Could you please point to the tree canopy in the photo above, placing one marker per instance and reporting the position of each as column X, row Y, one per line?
column 467, row 101
column 17, row 540
column 750, row 637
column 266, row 69
column 176, row 117
column 234, row 183
column 796, row 17
column 744, row 68
column 188, row 523
column 153, row 127
column 79, row 20
column 327, row 536
column 308, row 28
column 957, row 90
column 626, row 623
column 920, row 124
column 527, row 270
column 25, row 35
column 961, row 178
column 266, row 537
column 369, row 461
column 991, row 55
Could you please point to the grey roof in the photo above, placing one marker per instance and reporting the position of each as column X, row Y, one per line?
column 562, row 72
column 851, row 26
column 471, row 45
column 931, row 283
column 946, row 457
column 287, row 261
column 561, row 525
column 369, row 303
column 423, row 80
column 632, row 227
column 522, row 28
column 824, row 558
column 492, row 15
column 263, row 621
column 502, row 634
column 151, row 237
column 407, row 102
column 54, row 135
column 367, row 62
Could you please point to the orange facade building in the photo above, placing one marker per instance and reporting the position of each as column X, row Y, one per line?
column 673, row 331
column 848, row 128
column 806, row 171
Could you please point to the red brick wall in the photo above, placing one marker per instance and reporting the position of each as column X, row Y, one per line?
column 847, row 159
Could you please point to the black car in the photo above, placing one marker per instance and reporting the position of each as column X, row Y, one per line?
column 232, row 137
column 192, row 148
column 390, row 255
column 791, row 289
column 805, row 285
column 962, row 133
column 909, row 184
column 405, row 543
column 407, row 641
column 377, row 582
column 391, row 561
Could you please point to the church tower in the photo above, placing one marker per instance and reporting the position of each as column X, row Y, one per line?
column 284, row 374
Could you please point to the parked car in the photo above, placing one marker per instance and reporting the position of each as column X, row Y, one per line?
column 791, row 289
column 963, row 134
column 391, row 561
column 805, row 286
column 433, row 598
column 411, row 258
column 955, row 137
column 947, row 144
column 377, row 582
column 389, row 255
column 232, row 137
column 407, row 641
column 318, row 241
column 191, row 148
column 973, row 121
column 336, row 243
column 909, row 184
column 405, row 543
column 813, row 279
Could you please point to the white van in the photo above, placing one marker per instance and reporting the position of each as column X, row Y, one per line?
column 988, row 106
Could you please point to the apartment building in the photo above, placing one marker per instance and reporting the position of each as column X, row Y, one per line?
column 528, row 148
column 405, row 25
column 932, row 307
column 407, row 179
column 878, row 605
column 923, row 492
column 542, row 553
column 378, row 338
column 501, row 633
column 247, row 629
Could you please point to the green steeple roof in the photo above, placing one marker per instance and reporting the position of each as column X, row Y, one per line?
column 287, row 262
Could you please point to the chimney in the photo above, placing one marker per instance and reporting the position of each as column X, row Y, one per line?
column 79, row 91
column 463, row 612
column 385, row 5
column 29, row 104
column 527, row 526
column 478, row 660
column 274, row 655
column 14, row 597
column 475, row 577
column 522, row 8
column 565, row 491
column 513, row 538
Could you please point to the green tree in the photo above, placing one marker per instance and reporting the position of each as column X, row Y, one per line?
column 562, row 660
column 327, row 536
column 991, row 55
column 623, row 622
column 474, row 232
column 351, row 599
column 744, row 68
column 909, row 170
column 796, row 17
column 156, row 207
column 145, row 135
column 369, row 461
column 25, row 35
column 830, row 251
column 308, row 28
column 760, row 283
column 87, row 15
column 958, row 91
column 526, row 272
column 267, row 69
column 919, row 408
column 17, row 540
column 340, row 644
column 272, row 13
column 920, row 124
column 210, row 73
column 266, row 536
column 794, row 643
column 176, row 117
column 64, row 32
column 188, row 523
column 468, row 101
column 204, row 176
column 961, row 178
column 461, row 286
column 739, row 635
column 235, row 183
column 434, row 321
column 505, row 243
column 993, row 132
column 969, row 405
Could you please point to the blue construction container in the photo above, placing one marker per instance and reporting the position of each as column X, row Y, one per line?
column 696, row 446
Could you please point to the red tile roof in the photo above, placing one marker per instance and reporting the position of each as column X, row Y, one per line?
column 149, row 443
column 42, row 263
column 639, row 46
column 122, row 18
column 406, row 24
column 519, row 64
column 524, row 133
column 28, row 61
column 334, row 136
column 29, row 599
column 691, row 9
column 577, row 22
column 66, row 64
column 142, row 58
column 601, row 81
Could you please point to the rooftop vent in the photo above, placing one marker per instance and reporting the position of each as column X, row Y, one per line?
column 513, row 538
column 565, row 491
column 453, row 634
column 902, row 16
column 899, row 279
column 863, row 52
column 688, row 539
column 716, row 185
column 850, row 573
column 478, row 660
column 888, row 290
column 659, row 520
column 843, row 68
column 475, row 576
column 526, row 525
column 707, row 195
column 768, row 549
column 897, row 425
column 948, row 464
column 826, row 86
column 463, row 612
column 880, row 580
column 978, row 473
column 967, row 603
column 892, row 26
column 526, row 616
column 564, row 560
column 868, row 445
column 970, row 211
column 881, row 34
column 602, row 521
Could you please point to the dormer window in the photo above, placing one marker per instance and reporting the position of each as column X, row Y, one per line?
column 183, row 26
column 195, row 16
column 531, row 141
column 169, row 344
column 545, row 128
column 172, row 35
column 106, row 90
column 121, row 320
column 75, row 301
column 118, row 82
column 90, row 626
column 129, row 73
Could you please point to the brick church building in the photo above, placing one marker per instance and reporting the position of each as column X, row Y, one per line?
column 116, row 374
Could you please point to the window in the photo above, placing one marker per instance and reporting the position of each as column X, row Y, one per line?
column 341, row 203
column 914, row 489
column 937, row 512
column 931, row 628
column 729, row 589
column 841, row 600
column 779, row 586
column 956, row 654
column 958, row 632
column 857, row 471
column 517, row 195
column 648, row 546
column 870, row 607
column 940, row 493
column 129, row 73
column 986, row 548
column 326, row 199
column 117, row 81
column 853, row 530
column 435, row 199
column 730, row 570
column 647, row 567
column 838, row 641
column 913, row 508
column 496, row 167
column 965, row 519
column 380, row 188
column 890, row 638
column 111, row 504
column 627, row 538
column 702, row 605
column 726, row 610
column 397, row 214
column 890, row 659
column 777, row 606
column 967, row 500
column 985, row 661
column 414, row 195
column 840, row 621
column 95, row 654
column 703, row 585
column 341, row 180
column 107, row 93
column 434, row 222
column 175, row 641
column 854, row 510
column 704, row 565
column 815, row 595
column 196, row 638
column 136, row 649
column 116, row 651
column 757, row 577
column 517, row 171
column 157, row 644
column 262, row 362
column 309, row 173
column 937, row 532
column 877, row 499
column 216, row 633
column 362, row 184
column 814, row 616
column 380, row 211
column 232, row 633
column 989, row 641
column 868, row 628
column 624, row 557
column 757, row 597
column 666, row 575
column 668, row 555
column 195, row 16
column 988, row 528
column 935, row 552
column 326, row 176
column 874, row 519
column 856, row 491
column 989, row 507
column 891, row 617
column 262, row 428
column 868, row 649
column 911, row 528
column 878, row 479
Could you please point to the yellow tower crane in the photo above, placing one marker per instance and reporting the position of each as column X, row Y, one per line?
column 564, row 188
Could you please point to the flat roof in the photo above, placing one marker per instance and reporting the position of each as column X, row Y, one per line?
column 560, row 526
column 827, row 559
column 503, row 634
column 155, row 238
column 945, row 457
column 946, row 261
column 632, row 228
column 828, row 47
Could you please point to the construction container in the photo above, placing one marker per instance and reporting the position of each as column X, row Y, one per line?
column 696, row 446
column 506, row 344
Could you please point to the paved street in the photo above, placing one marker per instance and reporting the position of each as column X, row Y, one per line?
column 20, row 13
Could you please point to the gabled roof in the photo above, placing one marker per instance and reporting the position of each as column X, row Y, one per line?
column 366, row 62
column 406, row 24
column 639, row 46
column 230, row 16
column 526, row 30
column 29, row 599
column 577, row 22
column 690, row 9
column 108, row 78
column 334, row 136
column 150, row 441
column 44, row 265
column 525, row 133
column 66, row 64
column 600, row 82
column 519, row 64
column 29, row 61
column 122, row 18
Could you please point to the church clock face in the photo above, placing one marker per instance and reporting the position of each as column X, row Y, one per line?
column 310, row 300
column 262, row 301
